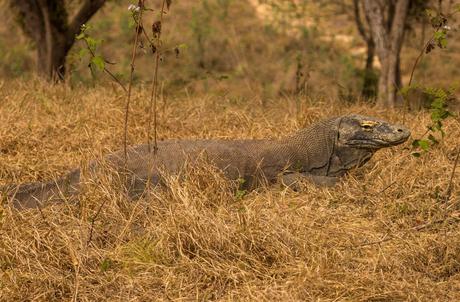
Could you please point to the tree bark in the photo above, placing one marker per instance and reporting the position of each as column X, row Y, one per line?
column 46, row 23
column 388, row 36
column 369, row 89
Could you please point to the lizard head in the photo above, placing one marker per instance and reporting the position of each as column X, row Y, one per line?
column 358, row 138
column 363, row 132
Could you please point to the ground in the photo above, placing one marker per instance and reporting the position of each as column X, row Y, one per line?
column 385, row 233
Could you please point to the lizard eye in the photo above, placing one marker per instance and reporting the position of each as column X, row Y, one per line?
column 367, row 126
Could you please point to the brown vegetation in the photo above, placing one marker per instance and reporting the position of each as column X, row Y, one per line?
column 387, row 232
column 384, row 234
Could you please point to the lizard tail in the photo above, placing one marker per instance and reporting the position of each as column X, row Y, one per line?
column 38, row 194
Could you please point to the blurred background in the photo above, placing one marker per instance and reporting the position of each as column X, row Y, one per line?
column 245, row 49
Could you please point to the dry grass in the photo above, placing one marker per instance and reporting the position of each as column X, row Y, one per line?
column 363, row 240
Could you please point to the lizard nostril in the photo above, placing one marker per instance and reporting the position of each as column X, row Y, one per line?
column 400, row 130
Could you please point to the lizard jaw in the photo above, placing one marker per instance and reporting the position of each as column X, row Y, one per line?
column 375, row 143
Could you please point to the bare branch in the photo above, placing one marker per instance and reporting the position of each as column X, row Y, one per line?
column 359, row 23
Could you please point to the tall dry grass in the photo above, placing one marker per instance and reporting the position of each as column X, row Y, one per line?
column 383, row 234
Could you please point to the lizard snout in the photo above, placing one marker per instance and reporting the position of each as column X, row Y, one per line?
column 400, row 134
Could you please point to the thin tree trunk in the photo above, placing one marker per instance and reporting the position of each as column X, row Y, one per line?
column 388, row 36
column 369, row 74
column 368, row 89
column 392, row 72
column 382, row 96
column 51, row 56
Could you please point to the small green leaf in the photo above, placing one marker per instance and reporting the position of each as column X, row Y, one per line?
column 93, row 43
column 82, row 53
column 81, row 36
column 106, row 264
column 132, row 23
column 424, row 144
column 416, row 154
column 439, row 35
column 240, row 194
column 438, row 103
column 430, row 12
column 182, row 46
column 435, row 115
column 99, row 62
column 441, row 38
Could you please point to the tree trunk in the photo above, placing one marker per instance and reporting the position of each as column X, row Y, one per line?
column 391, row 81
column 46, row 23
column 51, row 61
column 369, row 89
column 388, row 36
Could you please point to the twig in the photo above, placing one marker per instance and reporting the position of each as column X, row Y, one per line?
column 419, row 57
column 153, row 96
column 115, row 79
column 385, row 188
column 93, row 221
column 128, row 98
column 146, row 36
column 417, row 60
column 385, row 238
column 431, row 223
column 449, row 187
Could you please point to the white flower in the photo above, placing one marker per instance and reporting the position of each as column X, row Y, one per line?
column 133, row 8
column 447, row 27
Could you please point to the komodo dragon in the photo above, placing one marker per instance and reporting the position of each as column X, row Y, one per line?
column 320, row 153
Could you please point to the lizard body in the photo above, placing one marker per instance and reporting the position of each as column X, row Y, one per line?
column 320, row 153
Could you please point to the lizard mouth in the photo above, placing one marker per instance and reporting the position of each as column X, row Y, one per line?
column 376, row 143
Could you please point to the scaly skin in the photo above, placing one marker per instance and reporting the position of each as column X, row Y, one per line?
column 320, row 153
